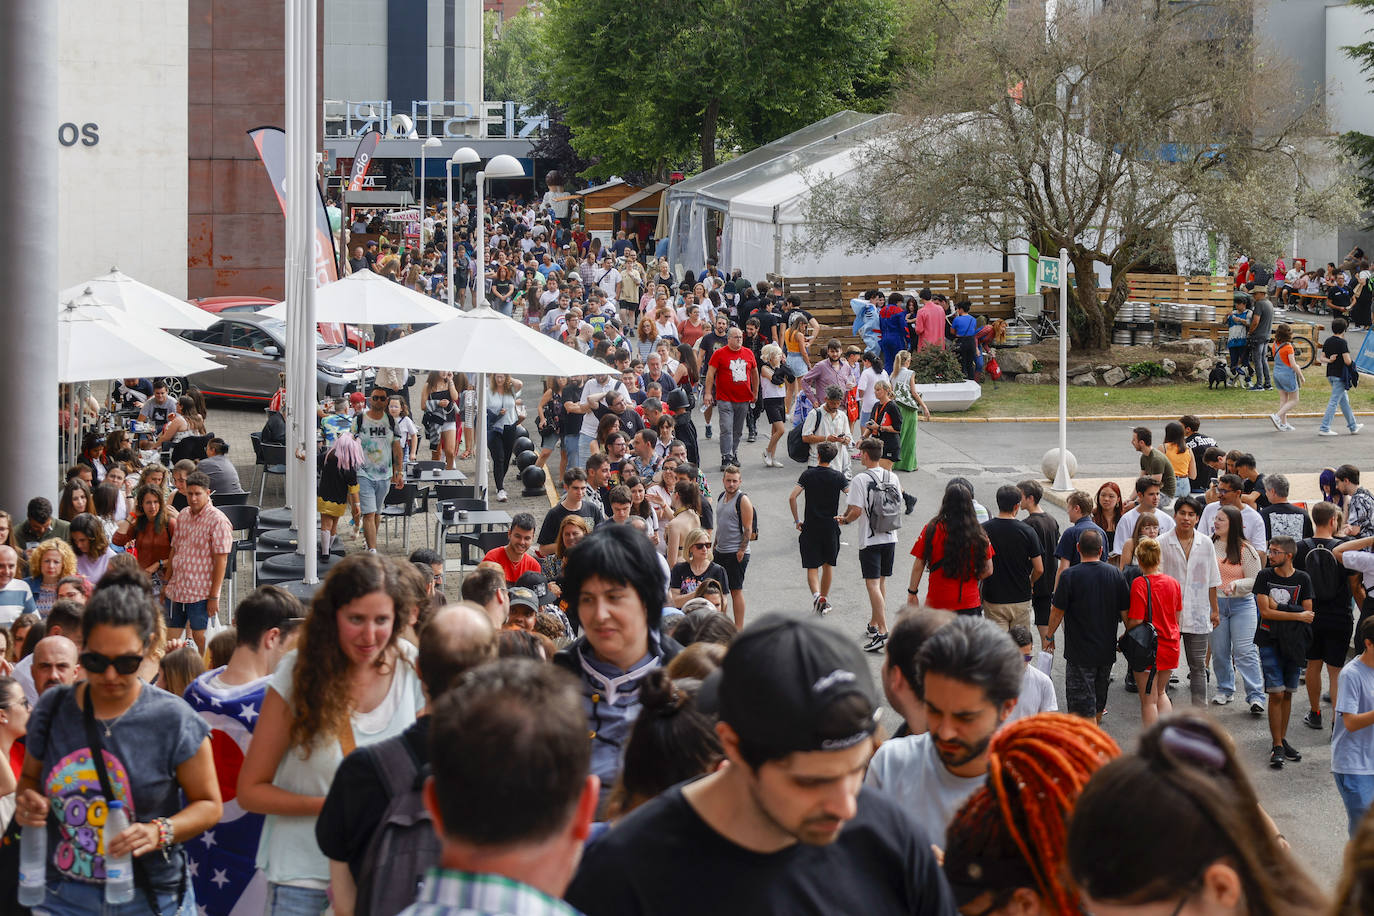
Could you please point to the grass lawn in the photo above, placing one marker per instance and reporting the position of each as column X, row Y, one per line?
column 1010, row 400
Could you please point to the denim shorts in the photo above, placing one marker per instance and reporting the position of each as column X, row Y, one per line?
column 289, row 900
column 180, row 614
column 372, row 494
column 73, row 898
column 1280, row 675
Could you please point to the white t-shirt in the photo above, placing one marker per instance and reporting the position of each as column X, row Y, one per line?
column 1250, row 521
column 287, row 851
column 909, row 772
column 859, row 485
column 867, row 379
column 591, row 388
column 1126, row 526
column 1037, row 695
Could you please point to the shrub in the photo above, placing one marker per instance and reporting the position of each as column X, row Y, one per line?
column 1147, row 370
column 936, row 364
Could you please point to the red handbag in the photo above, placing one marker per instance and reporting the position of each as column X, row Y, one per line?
column 851, row 404
column 994, row 370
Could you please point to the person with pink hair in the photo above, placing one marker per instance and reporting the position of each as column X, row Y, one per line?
column 338, row 487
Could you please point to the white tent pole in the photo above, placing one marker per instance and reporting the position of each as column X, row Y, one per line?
column 479, row 424
column 291, row 276
column 308, row 537
column 448, row 233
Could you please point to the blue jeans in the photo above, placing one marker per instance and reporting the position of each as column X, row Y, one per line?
column 584, row 449
column 73, row 898
column 1357, row 792
column 1338, row 397
column 285, row 900
column 1233, row 646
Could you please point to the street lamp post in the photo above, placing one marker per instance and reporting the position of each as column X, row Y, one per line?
column 502, row 166
column 429, row 143
column 464, row 154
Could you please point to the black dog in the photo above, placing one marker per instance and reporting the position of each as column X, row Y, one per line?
column 1218, row 377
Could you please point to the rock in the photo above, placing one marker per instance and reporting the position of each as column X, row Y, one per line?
column 1200, row 375
column 1170, row 367
column 1078, row 367
column 1113, row 376
column 1030, row 378
column 1199, row 346
column 1086, row 380
column 1049, row 464
column 1204, row 364
column 1105, row 367
column 1015, row 361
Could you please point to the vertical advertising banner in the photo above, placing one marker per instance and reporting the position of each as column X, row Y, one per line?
column 362, row 159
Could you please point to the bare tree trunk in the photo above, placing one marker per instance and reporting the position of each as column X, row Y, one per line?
column 709, row 119
column 1094, row 332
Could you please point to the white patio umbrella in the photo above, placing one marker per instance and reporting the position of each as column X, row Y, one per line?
column 92, row 345
column 369, row 298
column 142, row 302
column 483, row 341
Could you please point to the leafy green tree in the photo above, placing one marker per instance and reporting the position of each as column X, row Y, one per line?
column 655, row 85
column 512, row 56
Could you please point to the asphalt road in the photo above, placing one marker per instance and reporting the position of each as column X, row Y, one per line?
column 1301, row 798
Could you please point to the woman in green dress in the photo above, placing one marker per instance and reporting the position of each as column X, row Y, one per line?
column 909, row 400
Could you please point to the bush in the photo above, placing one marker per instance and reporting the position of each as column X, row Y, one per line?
column 936, row 364
column 1147, row 370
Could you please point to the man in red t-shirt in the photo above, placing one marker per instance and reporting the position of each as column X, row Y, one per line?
column 514, row 558
column 732, row 383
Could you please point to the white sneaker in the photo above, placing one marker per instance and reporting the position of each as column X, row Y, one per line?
column 767, row 460
column 1327, row 432
column 1288, row 427
column 1356, row 430
column 1221, row 699
column 1274, row 418
column 500, row 496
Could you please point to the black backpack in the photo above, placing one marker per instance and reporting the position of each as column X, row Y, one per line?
column 797, row 449
column 404, row 845
column 1330, row 585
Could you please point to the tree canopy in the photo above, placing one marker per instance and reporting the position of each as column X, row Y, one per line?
column 657, row 85
column 1115, row 135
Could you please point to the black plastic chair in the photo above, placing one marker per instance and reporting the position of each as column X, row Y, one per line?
column 273, row 464
column 473, row 546
column 192, row 447
column 241, row 518
column 229, row 499
column 401, row 503
column 446, row 492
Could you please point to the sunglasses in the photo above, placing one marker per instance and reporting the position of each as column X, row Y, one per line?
column 95, row 663
column 702, row 545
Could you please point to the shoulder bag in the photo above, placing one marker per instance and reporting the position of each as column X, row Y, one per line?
column 1140, row 644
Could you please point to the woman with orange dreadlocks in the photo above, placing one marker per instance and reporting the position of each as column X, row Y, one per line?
column 1005, row 849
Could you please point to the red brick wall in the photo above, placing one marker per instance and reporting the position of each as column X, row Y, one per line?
column 235, row 228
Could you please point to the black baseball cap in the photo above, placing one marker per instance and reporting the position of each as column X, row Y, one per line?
column 789, row 684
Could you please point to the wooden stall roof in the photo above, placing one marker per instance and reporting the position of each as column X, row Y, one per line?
column 645, row 200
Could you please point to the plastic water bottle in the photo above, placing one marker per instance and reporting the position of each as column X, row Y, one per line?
column 119, row 870
column 33, row 865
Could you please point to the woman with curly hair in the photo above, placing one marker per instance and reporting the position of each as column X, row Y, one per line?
column 956, row 551
column 1185, row 780
column 1005, row 849
column 49, row 563
column 349, row 682
column 93, row 551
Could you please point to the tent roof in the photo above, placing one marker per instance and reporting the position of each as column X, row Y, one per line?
column 784, row 156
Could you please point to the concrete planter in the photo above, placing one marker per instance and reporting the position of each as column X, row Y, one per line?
column 950, row 397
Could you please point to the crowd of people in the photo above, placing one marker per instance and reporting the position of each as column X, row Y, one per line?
column 612, row 705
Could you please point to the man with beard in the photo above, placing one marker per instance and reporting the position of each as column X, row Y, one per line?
column 968, row 675
column 788, row 826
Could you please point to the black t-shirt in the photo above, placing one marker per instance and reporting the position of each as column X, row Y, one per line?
column 686, row 581
column 1199, row 444
column 1257, row 486
column 1015, row 545
column 572, row 422
column 548, row 530
column 1334, row 348
column 664, row 860
column 1291, row 590
column 822, row 487
column 358, row 798
column 709, row 344
column 1286, row 519
column 1047, row 530
column 767, row 321
column 1092, row 596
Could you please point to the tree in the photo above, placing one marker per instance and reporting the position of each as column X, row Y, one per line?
column 511, row 57
column 1360, row 146
column 1123, row 131
column 651, row 86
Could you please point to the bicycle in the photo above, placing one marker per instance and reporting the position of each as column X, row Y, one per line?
column 1041, row 325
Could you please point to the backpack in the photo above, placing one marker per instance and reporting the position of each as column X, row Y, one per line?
column 753, row 534
column 883, row 505
column 797, row 449
column 404, row 845
column 1329, row 583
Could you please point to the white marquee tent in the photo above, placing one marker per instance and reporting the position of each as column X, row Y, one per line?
column 758, row 201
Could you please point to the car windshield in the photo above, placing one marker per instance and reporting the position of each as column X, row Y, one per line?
column 278, row 330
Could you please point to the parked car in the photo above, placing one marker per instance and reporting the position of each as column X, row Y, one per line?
column 234, row 304
column 252, row 350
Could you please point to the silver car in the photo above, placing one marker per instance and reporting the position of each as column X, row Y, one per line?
column 252, row 351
